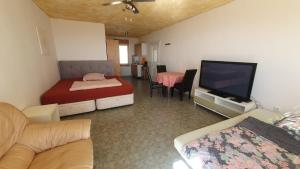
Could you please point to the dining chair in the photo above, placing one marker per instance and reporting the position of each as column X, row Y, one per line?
column 152, row 84
column 161, row 68
column 186, row 84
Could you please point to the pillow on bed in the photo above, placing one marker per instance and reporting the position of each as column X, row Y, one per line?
column 93, row 77
column 291, row 124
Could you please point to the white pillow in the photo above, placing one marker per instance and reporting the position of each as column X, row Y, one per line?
column 93, row 77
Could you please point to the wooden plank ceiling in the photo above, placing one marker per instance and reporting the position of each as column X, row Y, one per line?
column 153, row 15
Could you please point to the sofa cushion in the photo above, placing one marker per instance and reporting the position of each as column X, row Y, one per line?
column 44, row 136
column 18, row 157
column 77, row 155
column 12, row 125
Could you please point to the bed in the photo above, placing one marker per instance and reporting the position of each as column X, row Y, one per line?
column 81, row 101
column 246, row 141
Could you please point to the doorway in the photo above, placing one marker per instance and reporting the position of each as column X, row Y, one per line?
column 153, row 59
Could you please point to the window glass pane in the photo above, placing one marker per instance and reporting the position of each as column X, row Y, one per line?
column 123, row 49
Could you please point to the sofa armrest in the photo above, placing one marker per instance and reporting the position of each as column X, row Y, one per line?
column 43, row 136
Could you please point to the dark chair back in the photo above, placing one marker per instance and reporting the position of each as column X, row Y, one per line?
column 161, row 68
column 188, row 79
column 149, row 75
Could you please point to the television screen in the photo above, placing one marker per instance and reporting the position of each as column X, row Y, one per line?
column 228, row 78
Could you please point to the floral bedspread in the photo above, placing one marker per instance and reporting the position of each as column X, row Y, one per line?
column 238, row 147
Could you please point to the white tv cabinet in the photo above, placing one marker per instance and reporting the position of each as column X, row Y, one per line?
column 223, row 106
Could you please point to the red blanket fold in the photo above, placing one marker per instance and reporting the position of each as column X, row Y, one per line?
column 60, row 93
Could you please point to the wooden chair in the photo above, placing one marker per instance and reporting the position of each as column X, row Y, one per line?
column 161, row 68
column 152, row 84
column 186, row 84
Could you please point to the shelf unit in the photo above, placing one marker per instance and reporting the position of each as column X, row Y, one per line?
column 141, row 49
column 223, row 106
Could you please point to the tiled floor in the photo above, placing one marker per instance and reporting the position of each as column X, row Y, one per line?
column 141, row 136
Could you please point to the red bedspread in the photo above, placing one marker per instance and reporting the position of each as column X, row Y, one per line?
column 60, row 93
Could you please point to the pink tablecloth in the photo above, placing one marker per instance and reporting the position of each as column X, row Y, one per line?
column 169, row 79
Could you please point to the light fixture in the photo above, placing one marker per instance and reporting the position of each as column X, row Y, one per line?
column 128, row 19
column 116, row 2
column 131, row 8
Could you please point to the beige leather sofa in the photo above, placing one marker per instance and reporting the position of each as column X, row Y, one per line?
column 53, row 145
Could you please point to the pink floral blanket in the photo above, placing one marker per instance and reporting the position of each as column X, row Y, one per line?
column 241, row 148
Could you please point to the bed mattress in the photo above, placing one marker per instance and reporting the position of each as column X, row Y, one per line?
column 249, row 144
column 76, row 108
column 116, row 101
column 60, row 93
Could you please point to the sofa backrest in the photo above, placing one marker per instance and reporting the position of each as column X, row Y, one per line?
column 12, row 124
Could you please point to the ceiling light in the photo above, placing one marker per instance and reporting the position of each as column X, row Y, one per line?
column 128, row 19
column 129, row 7
column 116, row 2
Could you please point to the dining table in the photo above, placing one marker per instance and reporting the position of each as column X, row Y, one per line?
column 169, row 79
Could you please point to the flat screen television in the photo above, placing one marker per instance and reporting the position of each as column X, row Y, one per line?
column 228, row 79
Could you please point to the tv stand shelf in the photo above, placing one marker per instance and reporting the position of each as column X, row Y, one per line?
column 223, row 106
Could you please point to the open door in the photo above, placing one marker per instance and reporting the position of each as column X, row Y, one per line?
column 112, row 50
column 154, row 57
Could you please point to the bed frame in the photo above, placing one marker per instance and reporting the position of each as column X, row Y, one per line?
column 75, row 69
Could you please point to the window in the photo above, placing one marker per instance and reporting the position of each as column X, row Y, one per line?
column 123, row 50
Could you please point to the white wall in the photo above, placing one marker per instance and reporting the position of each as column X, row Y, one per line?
column 266, row 32
column 79, row 40
column 126, row 70
column 25, row 73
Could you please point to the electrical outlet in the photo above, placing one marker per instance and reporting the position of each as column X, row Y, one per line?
column 276, row 109
column 259, row 104
column 296, row 108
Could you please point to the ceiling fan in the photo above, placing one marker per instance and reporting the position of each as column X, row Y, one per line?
column 129, row 4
